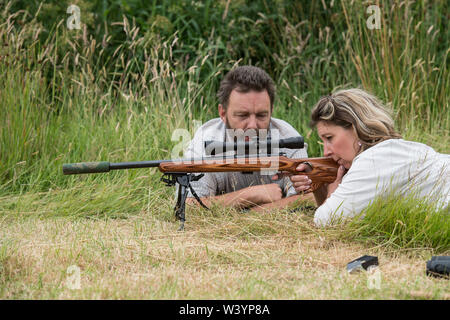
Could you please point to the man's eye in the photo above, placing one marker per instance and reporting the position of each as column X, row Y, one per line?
column 261, row 116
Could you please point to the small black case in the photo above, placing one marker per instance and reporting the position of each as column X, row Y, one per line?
column 439, row 266
column 363, row 262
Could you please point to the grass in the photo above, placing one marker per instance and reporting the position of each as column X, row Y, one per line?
column 403, row 222
column 70, row 97
column 221, row 255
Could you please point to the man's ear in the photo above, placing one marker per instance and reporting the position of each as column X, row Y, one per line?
column 222, row 113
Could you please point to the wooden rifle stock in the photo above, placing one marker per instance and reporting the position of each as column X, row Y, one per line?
column 182, row 172
column 324, row 170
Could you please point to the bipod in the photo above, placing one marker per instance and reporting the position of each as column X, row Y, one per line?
column 184, row 181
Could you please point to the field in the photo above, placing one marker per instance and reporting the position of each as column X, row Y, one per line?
column 118, row 88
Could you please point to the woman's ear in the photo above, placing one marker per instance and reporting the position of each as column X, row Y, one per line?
column 355, row 134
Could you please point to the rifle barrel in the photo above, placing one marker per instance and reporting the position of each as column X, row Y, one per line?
column 106, row 166
column 136, row 164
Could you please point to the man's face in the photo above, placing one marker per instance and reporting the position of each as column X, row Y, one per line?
column 250, row 110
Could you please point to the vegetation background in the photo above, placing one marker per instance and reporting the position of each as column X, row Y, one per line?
column 135, row 71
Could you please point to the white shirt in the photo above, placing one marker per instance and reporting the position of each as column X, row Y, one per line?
column 391, row 165
column 212, row 184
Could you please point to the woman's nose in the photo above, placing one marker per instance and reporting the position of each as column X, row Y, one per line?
column 326, row 150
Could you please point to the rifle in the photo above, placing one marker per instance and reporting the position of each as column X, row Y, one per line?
column 184, row 171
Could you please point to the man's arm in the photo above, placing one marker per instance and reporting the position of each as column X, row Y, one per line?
column 285, row 203
column 244, row 198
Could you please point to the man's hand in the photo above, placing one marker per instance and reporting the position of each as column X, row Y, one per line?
column 264, row 193
column 291, row 202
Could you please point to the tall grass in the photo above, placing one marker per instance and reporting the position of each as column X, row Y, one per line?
column 406, row 63
column 79, row 95
column 83, row 111
column 399, row 221
column 67, row 97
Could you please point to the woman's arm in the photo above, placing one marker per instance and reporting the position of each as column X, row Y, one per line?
column 369, row 176
column 322, row 193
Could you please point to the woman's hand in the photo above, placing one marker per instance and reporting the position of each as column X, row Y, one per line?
column 333, row 186
column 301, row 182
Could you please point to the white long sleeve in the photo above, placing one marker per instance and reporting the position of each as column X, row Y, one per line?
column 392, row 165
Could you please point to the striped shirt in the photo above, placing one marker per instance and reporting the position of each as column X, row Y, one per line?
column 217, row 183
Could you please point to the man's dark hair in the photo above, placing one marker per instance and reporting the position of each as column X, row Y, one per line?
column 244, row 79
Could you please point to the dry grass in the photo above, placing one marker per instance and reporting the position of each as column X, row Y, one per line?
column 225, row 255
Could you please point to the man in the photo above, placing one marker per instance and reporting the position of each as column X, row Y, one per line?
column 246, row 96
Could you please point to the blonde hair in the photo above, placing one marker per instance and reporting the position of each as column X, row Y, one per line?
column 358, row 110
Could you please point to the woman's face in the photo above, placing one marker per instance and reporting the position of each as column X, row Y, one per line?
column 339, row 143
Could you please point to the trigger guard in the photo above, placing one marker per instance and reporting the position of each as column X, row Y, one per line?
column 309, row 164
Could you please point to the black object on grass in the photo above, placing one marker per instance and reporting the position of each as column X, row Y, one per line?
column 439, row 266
column 363, row 262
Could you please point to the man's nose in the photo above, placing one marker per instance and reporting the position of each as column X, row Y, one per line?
column 252, row 124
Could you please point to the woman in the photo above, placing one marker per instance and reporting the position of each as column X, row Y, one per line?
column 358, row 133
